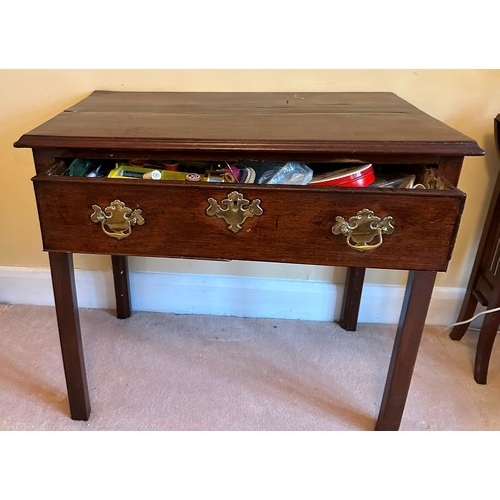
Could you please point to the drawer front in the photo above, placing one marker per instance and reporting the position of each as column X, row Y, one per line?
column 286, row 224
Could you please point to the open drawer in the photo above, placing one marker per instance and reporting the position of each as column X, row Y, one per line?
column 358, row 227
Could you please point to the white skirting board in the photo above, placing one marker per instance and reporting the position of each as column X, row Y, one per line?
column 226, row 295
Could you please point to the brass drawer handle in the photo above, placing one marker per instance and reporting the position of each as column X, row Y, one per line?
column 363, row 228
column 234, row 210
column 117, row 219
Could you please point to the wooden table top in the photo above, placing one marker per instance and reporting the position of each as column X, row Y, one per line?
column 337, row 122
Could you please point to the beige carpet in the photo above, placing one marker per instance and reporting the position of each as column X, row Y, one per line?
column 156, row 371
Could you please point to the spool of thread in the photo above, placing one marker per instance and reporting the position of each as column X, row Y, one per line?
column 171, row 165
column 154, row 175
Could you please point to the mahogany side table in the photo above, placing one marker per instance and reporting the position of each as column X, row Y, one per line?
column 356, row 228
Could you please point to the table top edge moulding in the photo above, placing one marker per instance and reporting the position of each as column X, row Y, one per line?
column 327, row 122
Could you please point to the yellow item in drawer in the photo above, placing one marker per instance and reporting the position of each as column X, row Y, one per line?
column 133, row 172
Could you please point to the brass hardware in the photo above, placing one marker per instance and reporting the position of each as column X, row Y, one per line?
column 117, row 219
column 363, row 228
column 234, row 210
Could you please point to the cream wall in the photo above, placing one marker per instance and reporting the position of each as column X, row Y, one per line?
column 465, row 99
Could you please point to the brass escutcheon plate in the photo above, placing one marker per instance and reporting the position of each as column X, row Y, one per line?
column 234, row 209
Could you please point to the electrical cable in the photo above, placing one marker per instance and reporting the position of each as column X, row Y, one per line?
column 488, row 311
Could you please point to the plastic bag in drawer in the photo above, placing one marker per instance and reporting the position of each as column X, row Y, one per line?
column 290, row 173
